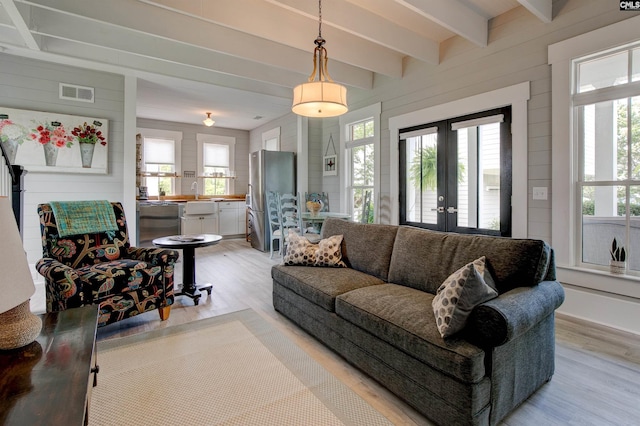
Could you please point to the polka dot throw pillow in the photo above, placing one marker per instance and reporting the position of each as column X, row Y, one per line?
column 329, row 252
column 301, row 252
column 460, row 293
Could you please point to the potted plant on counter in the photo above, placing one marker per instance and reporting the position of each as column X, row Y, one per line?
column 618, row 258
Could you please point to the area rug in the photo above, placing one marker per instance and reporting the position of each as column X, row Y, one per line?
column 235, row 369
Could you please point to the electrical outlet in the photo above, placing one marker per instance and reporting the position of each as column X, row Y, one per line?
column 539, row 192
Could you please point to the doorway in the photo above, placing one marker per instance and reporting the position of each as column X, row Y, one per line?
column 456, row 174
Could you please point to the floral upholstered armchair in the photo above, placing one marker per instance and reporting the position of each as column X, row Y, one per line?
column 101, row 267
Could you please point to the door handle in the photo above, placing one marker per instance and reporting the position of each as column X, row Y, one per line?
column 439, row 210
column 452, row 210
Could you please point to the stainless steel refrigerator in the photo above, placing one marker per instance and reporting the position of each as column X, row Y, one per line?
column 268, row 171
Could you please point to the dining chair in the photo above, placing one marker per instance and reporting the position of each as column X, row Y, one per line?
column 273, row 216
column 291, row 219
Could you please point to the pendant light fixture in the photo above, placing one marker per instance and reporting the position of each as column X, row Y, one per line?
column 320, row 96
column 208, row 121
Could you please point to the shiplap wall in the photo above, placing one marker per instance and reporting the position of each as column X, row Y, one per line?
column 33, row 85
column 517, row 52
column 190, row 148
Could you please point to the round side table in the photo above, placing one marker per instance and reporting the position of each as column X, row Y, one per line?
column 188, row 244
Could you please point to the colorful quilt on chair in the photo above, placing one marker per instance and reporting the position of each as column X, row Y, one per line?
column 84, row 217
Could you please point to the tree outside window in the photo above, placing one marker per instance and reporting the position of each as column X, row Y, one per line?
column 362, row 155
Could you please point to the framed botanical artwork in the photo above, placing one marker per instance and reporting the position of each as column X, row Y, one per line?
column 52, row 142
column 330, row 165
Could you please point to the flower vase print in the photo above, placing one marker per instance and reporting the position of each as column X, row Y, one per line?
column 55, row 143
column 52, row 136
column 12, row 135
column 88, row 136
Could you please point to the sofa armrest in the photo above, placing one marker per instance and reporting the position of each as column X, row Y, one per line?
column 64, row 287
column 511, row 314
column 154, row 256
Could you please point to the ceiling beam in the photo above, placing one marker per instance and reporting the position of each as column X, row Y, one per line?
column 257, row 18
column 202, row 31
column 368, row 25
column 454, row 16
column 20, row 23
column 280, row 64
column 543, row 9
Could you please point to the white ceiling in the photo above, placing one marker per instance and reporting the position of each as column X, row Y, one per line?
column 240, row 59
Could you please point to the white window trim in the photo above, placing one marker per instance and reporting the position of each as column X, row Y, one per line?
column 371, row 111
column 203, row 138
column 517, row 96
column 563, row 197
column 166, row 134
column 269, row 135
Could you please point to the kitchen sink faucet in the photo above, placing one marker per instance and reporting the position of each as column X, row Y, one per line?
column 194, row 186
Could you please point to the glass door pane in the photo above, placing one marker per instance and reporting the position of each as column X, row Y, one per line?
column 478, row 177
column 422, row 179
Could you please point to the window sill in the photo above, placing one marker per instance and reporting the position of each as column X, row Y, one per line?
column 601, row 281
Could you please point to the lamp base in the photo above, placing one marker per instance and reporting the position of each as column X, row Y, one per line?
column 18, row 327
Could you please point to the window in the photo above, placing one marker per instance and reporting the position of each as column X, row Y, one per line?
column 161, row 160
column 455, row 175
column 359, row 172
column 361, row 154
column 606, row 112
column 215, row 171
column 271, row 140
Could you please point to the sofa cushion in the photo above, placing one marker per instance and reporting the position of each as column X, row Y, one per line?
column 365, row 247
column 459, row 294
column 402, row 317
column 423, row 259
column 321, row 285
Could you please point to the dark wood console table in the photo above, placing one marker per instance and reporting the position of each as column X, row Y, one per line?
column 48, row 382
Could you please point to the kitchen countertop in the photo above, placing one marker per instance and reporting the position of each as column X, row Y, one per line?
column 185, row 198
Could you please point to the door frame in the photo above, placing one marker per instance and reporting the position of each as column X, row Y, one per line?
column 447, row 173
column 517, row 96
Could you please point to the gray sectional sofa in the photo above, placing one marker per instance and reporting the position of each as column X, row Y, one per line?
column 377, row 314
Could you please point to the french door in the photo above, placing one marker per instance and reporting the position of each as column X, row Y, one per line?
column 455, row 175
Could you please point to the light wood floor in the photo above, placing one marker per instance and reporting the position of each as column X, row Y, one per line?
column 597, row 379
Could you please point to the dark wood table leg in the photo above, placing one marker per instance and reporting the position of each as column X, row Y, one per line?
column 189, row 287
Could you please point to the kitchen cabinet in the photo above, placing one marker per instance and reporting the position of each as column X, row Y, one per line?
column 194, row 224
column 200, row 217
column 231, row 217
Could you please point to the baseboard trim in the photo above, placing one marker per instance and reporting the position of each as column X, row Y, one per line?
column 601, row 308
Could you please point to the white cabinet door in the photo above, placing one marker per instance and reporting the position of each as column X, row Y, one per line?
column 228, row 217
column 205, row 224
column 228, row 221
column 242, row 219
column 209, row 225
column 191, row 226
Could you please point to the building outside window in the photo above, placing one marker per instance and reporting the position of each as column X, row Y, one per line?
column 606, row 116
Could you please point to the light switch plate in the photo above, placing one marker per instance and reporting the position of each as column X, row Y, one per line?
column 539, row 192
